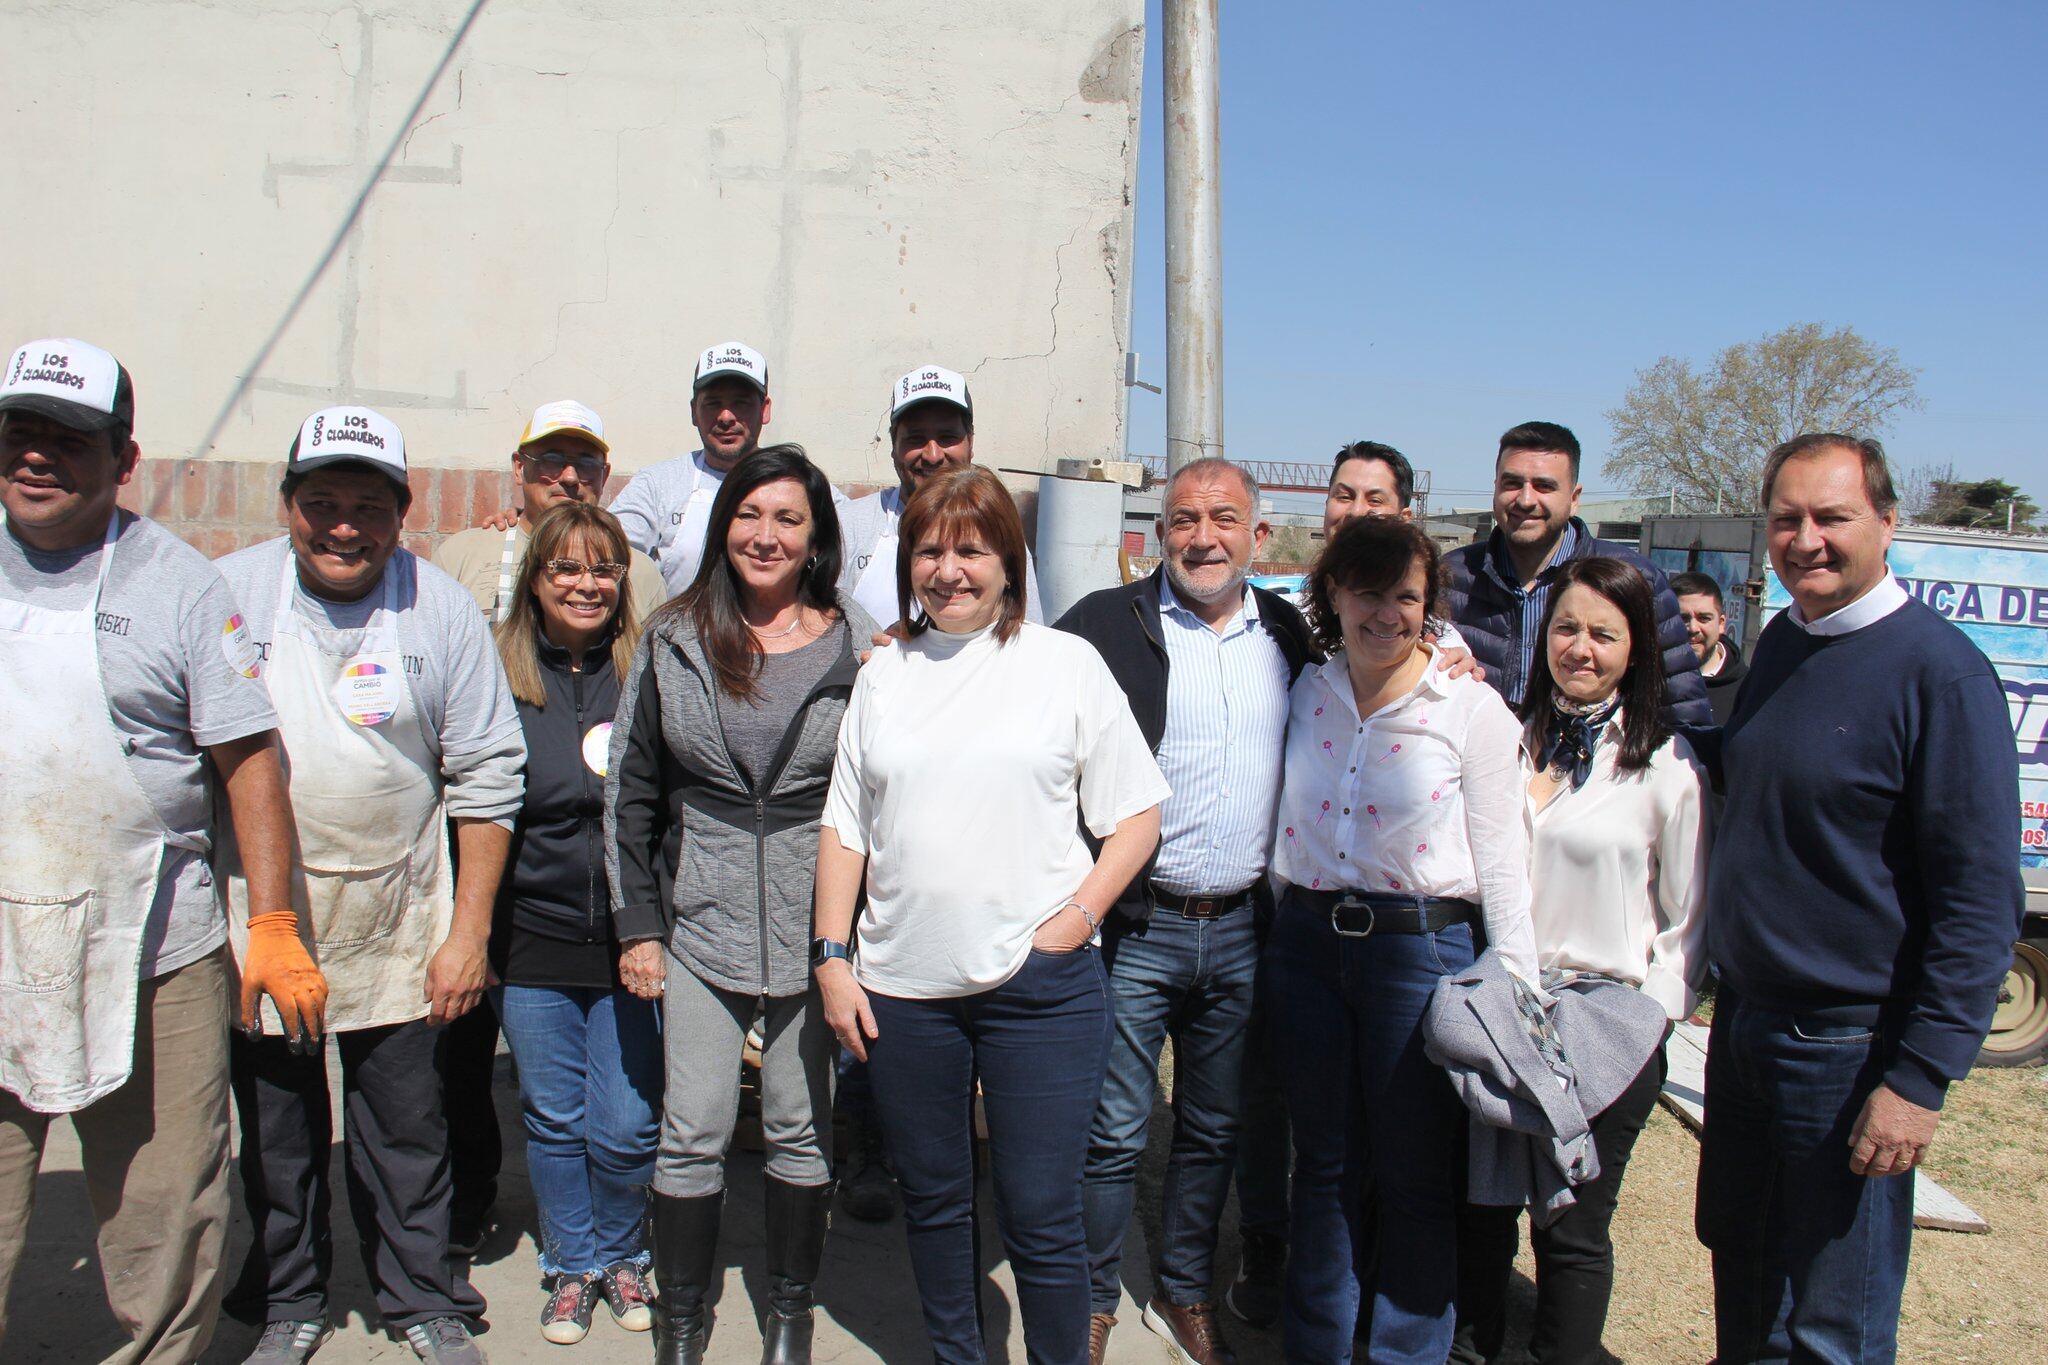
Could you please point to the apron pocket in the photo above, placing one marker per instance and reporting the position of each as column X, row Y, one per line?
column 352, row 908
column 43, row 940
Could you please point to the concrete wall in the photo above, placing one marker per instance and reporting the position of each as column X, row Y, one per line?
column 597, row 189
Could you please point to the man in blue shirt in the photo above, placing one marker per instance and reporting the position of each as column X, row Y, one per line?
column 1206, row 661
column 1862, row 901
column 1499, row 588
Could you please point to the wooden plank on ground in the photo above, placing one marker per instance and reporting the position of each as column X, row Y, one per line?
column 1685, row 1094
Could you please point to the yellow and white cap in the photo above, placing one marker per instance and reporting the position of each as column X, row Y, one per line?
column 565, row 414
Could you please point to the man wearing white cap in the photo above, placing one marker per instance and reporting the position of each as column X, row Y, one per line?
column 396, row 720
column 562, row 457
column 931, row 428
column 129, row 686
column 666, row 507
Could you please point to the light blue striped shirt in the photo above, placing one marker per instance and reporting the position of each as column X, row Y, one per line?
column 1226, row 729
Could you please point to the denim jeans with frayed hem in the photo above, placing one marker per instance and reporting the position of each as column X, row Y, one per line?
column 590, row 1069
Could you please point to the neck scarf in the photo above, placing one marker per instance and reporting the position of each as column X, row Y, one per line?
column 1572, row 733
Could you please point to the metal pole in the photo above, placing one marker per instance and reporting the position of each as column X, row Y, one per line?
column 1194, row 235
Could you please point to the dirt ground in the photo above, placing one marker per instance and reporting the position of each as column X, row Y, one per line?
column 1969, row 1298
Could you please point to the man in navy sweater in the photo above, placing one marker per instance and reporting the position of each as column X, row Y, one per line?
column 1862, row 901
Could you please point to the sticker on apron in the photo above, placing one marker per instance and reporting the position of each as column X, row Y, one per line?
column 242, row 654
column 367, row 692
column 597, row 748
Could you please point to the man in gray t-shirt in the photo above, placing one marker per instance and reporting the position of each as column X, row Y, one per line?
column 134, row 709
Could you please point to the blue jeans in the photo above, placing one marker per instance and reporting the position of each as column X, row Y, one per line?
column 590, row 1069
column 1038, row 1044
column 1365, row 1101
column 1192, row 979
column 1809, row 1257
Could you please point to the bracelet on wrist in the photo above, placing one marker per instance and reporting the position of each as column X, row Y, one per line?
column 1094, row 924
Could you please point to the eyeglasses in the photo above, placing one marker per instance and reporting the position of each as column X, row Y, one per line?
column 551, row 464
column 563, row 572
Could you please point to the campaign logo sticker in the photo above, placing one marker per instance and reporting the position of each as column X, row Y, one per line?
column 597, row 748
column 368, row 693
column 240, row 650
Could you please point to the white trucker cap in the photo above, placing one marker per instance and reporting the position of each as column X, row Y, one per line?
column 731, row 357
column 929, row 382
column 69, row 381
column 348, row 435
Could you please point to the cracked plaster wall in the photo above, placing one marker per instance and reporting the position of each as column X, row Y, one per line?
column 597, row 189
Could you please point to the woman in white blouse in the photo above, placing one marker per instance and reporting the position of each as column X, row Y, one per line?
column 971, row 754
column 1618, row 866
column 1402, row 852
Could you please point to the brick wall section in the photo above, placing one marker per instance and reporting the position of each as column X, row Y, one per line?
column 219, row 506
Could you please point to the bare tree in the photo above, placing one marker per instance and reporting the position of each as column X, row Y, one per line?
column 1703, row 434
column 1917, row 488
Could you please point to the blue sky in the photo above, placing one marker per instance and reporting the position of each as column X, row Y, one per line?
column 1442, row 219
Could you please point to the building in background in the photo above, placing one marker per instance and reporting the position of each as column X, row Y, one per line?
column 593, row 193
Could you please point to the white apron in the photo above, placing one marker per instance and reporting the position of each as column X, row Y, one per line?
column 508, row 565
column 684, row 550
column 81, row 851
column 373, row 889
column 876, row 590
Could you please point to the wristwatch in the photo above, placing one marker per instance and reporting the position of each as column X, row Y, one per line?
column 823, row 950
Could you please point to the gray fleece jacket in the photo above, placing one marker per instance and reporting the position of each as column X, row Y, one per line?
column 697, row 855
column 1534, row 1077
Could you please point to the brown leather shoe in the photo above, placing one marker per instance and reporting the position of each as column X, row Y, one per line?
column 1192, row 1334
column 1098, row 1335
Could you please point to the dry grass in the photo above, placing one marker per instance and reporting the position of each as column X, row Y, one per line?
column 1968, row 1297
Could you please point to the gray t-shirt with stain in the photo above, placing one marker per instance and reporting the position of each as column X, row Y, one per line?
column 169, row 655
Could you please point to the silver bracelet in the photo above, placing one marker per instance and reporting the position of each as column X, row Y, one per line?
column 1094, row 924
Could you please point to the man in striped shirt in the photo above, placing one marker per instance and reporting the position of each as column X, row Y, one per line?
column 1206, row 661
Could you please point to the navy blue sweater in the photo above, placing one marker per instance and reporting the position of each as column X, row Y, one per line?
column 1866, row 867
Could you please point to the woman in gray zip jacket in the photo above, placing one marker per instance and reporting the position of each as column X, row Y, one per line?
column 720, row 761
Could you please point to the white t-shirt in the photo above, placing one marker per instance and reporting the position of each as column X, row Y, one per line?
column 1618, row 869
column 962, row 766
column 1423, row 798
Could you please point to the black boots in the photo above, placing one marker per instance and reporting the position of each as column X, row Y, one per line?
column 796, row 1244
column 685, row 1256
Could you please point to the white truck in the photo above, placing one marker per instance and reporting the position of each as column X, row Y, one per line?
column 1996, row 588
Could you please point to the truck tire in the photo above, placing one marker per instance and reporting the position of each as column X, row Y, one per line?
column 2019, row 1027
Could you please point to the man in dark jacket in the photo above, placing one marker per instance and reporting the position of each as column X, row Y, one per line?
column 1499, row 588
column 1206, row 661
column 1701, row 607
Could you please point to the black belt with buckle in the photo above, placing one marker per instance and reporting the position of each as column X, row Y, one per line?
column 1201, row 907
column 1357, row 914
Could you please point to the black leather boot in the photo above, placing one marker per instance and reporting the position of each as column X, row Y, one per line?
column 797, row 1215
column 685, row 1254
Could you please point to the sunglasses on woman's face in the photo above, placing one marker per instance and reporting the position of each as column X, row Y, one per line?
column 563, row 572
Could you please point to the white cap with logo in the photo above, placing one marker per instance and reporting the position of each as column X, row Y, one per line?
column 565, row 415
column 69, row 381
column 929, row 382
column 349, row 435
column 733, row 358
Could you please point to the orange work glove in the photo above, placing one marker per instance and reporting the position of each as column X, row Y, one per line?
column 278, row 966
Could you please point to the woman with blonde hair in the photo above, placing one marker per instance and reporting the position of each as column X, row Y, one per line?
column 589, row 1051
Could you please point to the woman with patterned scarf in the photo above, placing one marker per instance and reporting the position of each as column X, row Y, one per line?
column 1618, row 859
